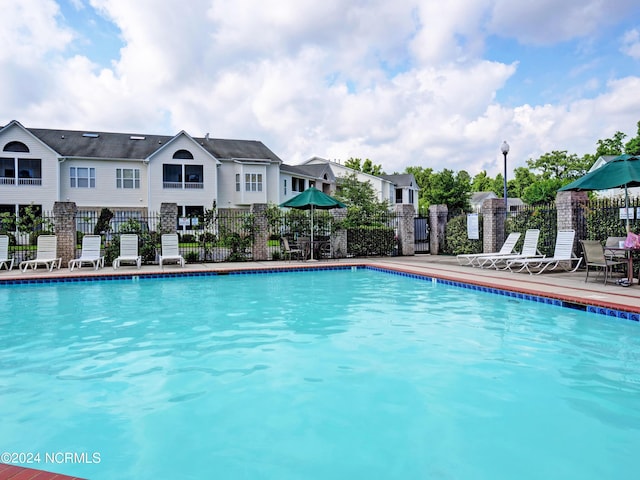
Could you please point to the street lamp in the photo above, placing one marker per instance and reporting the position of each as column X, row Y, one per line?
column 505, row 149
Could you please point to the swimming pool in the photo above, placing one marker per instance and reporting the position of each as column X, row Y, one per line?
column 330, row 374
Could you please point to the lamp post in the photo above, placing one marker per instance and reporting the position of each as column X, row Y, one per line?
column 505, row 149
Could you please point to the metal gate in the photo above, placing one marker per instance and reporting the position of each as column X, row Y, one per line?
column 421, row 232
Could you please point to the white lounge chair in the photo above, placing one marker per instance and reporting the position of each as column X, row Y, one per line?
column 562, row 256
column 529, row 250
column 90, row 253
column 507, row 249
column 46, row 254
column 128, row 251
column 170, row 249
column 5, row 261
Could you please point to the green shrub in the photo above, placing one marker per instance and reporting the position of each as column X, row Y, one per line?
column 192, row 257
column 456, row 237
column 371, row 241
column 188, row 238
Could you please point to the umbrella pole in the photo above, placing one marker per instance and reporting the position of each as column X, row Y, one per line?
column 311, row 246
column 626, row 206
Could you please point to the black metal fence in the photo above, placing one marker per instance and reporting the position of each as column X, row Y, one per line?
column 219, row 235
column 595, row 220
column 543, row 217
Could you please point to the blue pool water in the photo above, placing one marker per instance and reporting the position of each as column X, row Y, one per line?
column 331, row 374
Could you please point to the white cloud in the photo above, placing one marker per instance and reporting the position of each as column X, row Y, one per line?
column 631, row 44
column 402, row 83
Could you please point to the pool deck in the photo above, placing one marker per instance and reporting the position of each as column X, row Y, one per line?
column 565, row 286
column 13, row 472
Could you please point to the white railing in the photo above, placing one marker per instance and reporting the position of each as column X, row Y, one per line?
column 29, row 181
column 185, row 185
column 7, row 181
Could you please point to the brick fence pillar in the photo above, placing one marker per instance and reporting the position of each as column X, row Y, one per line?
column 260, row 250
column 437, row 225
column 168, row 217
column 64, row 219
column 406, row 229
column 339, row 236
column 568, row 216
column 494, row 214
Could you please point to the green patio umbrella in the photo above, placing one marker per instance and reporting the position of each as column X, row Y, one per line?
column 311, row 199
column 621, row 171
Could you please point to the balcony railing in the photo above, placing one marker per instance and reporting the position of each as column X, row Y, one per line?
column 7, row 181
column 29, row 181
column 181, row 185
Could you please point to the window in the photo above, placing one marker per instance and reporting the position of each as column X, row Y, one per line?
column 29, row 171
column 411, row 197
column 7, row 171
column 127, row 178
column 285, row 186
column 171, row 176
column 16, row 147
column 297, row 184
column 183, row 155
column 253, row 182
column 398, row 195
column 193, row 173
column 237, row 182
column 82, row 177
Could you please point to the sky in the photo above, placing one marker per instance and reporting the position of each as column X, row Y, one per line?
column 401, row 82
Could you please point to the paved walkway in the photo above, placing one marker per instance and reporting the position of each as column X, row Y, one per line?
column 565, row 286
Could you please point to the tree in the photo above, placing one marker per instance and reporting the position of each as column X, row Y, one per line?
column 365, row 167
column 523, row 177
column 361, row 200
column 450, row 189
column 423, row 180
column 560, row 164
column 632, row 147
column 482, row 182
column 542, row 191
column 610, row 146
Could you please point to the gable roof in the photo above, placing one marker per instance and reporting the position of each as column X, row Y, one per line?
column 108, row 145
column 319, row 172
column 402, row 180
column 478, row 198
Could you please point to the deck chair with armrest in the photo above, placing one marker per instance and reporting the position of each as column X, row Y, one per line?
column 614, row 242
column 594, row 257
column 90, row 254
column 562, row 256
column 470, row 259
column 128, row 251
column 5, row 261
column 529, row 250
column 46, row 254
column 291, row 251
column 170, row 249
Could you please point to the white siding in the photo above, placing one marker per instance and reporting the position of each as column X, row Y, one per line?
column 105, row 193
column 182, row 196
column 46, row 193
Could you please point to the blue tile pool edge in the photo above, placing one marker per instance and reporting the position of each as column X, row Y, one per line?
column 609, row 312
column 136, row 276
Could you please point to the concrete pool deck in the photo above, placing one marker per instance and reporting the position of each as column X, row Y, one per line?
column 565, row 286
